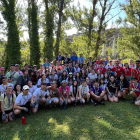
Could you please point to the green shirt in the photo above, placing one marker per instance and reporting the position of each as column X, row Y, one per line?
column 12, row 76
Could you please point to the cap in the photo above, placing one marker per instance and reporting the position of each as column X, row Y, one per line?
column 2, row 68
column 70, row 73
column 12, row 65
column 63, row 81
column 26, row 64
column 25, row 87
column 17, row 65
column 34, row 66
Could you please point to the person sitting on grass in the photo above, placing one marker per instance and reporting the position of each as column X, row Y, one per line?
column 39, row 97
column 64, row 92
column 84, row 92
column 123, row 87
column 74, row 92
column 7, row 100
column 103, row 85
column 97, row 94
column 22, row 102
column 54, row 94
column 112, row 89
column 135, row 93
column 32, row 87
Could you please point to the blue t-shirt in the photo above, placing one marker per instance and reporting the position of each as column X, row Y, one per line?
column 74, row 58
column 112, row 73
column 81, row 60
column 46, row 64
column 106, row 62
column 97, row 91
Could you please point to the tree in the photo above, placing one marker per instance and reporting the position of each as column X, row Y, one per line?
column 12, row 52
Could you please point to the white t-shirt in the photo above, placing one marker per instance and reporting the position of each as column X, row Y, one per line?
column 39, row 93
column 39, row 81
column 3, row 88
column 84, row 89
column 22, row 100
column 109, row 66
column 102, row 76
column 132, row 66
column 92, row 77
column 32, row 89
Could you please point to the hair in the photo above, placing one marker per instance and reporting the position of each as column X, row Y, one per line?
column 8, row 86
column 125, row 80
column 63, row 76
column 69, row 78
column 4, row 77
column 76, row 86
column 24, row 70
column 100, row 81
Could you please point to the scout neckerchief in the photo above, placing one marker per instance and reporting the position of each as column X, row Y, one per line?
column 96, row 91
column 137, row 71
column 117, row 69
column 9, row 99
column 25, row 100
column 64, row 91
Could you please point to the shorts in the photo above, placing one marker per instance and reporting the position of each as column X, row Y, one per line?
column 54, row 99
column 38, row 103
column 27, row 105
column 8, row 111
column 111, row 93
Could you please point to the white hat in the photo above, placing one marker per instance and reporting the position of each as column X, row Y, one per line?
column 25, row 87
column 70, row 73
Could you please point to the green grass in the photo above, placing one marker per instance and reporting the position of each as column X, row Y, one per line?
column 114, row 121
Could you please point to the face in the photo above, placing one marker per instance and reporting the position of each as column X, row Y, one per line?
column 58, row 71
column 110, row 63
column 2, row 72
column 37, row 73
column 26, row 66
column 76, row 65
column 75, row 83
column 47, row 67
column 84, row 66
column 77, row 74
column 115, row 73
column 46, row 60
column 54, row 68
column 87, row 80
column 101, row 65
column 12, row 68
column 54, row 85
column 102, row 81
column 112, row 79
column 84, row 83
column 117, row 64
column 41, row 67
column 59, row 54
column 120, row 61
column 131, row 61
column 9, row 89
column 93, row 71
column 29, row 83
column 18, row 87
column 121, row 77
column 47, row 72
column 57, row 63
column 134, row 81
column 35, row 68
column 52, row 72
column 70, row 64
column 106, row 58
column 43, row 87
column 81, row 55
column 64, row 73
column 109, row 70
column 83, row 71
column 98, row 72
column 64, row 84
column 26, row 72
column 4, row 81
column 16, row 68
column 70, row 75
column 96, row 85
column 44, row 76
column 99, row 58
column 137, row 64
column 126, row 65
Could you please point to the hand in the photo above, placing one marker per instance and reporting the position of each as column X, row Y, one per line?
column 4, row 117
column 110, row 95
column 116, row 95
column 122, row 89
column 26, row 109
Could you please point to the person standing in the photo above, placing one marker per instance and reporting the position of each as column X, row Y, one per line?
column 81, row 59
column 46, row 63
column 117, row 68
column 66, row 58
column 106, row 61
column 17, row 66
column 74, row 58
column 59, row 58
column 2, row 69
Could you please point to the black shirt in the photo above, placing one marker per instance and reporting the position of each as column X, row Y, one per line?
column 123, row 84
column 112, row 87
column 59, row 58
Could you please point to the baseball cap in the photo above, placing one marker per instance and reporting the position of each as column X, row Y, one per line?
column 26, row 64
column 70, row 73
column 17, row 65
column 2, row 68
column 25, row 87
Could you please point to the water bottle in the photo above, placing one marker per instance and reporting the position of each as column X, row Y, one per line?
column 23, row 120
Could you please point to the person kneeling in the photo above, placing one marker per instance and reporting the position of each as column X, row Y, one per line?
column 84, row 92
column 97, row 94
column 7, row 101
column 39, row 97
column 23, row 102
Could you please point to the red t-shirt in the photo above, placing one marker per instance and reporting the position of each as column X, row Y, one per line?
column 137, row 88
column 98, row 62
column 127, row 71
column 136, row 72
column 103, row 70
column 118, row 69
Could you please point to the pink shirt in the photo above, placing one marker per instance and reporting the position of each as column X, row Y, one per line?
column 64, row 91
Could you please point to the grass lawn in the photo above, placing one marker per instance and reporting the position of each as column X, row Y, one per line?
column 114, row 121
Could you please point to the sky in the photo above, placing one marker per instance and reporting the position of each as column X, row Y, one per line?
column 88, row 4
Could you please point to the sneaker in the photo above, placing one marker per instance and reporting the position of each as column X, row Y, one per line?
column 82, row 105
column 64, row 108
column 88, row 103
column 92, row 101
column 95, row 104
column 133, row 101
column 102, row 103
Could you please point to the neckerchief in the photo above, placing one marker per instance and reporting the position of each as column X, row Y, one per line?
column 8, row 99
column 25, row 100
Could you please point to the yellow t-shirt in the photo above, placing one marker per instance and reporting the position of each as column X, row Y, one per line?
column 5, row 101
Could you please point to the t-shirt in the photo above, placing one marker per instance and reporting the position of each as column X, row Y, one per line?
column 74, row 58
column 32, row 89
column 136, row 72
column 136, row 88
column 97, row 91
column 112, row 87
column 132, row 66
column 74, row 91
column 127, row 71
column 13, row 76
column 81, row 60
column 23, row 99
column 46, row 64
column 106, row 62
column 103, row 70
column 103, row 87
column 8, row 106
column 84, row 89
column 54, row 92
column 118, row 69
column 40, row 81
column 123, row 84
column 39, row 93
column 64, row 91
column 92, row 77
column 3, row 88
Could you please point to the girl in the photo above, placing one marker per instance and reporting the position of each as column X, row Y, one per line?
column 18, row 90
column 47, row 74
column 99, row 75
column 116, row 76
column 43, row 78
column 58, row 66
column 123, row 87
column 106, row 79
column 64, row 76
column 70, row 79
column 112, row 89
column 32, row 88
column 92, row 76
column 37, row 77
column 90, row 85
column 74, row 92
column 53, row 77
column 64, row 93
column 103, row 86
column 83, row 75
column 77, row 78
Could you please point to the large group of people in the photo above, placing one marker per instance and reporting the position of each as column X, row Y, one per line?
column 70, row 81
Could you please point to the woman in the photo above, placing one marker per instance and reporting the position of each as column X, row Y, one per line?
column 92, row 76
column 112, row 90
column 99, row 75
column 106, row 79
column 47, row 74
column 90, row 85
column 37, row 77
column 123, row 87
column 64, row 76
column 127, row 71
column 58, row 66
column 70, row 79
column 77, row 78
column 53, row 77
column 18, row 90
column 42, row 79
column 32, row 88
column 84, row 93
column 74, row 93
column 64, row 93
column 83, row 75
column 116, row 76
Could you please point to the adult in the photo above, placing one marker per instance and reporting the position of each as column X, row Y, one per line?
column 131, row 65
column 46, row 63
column 53, row 77
column 123, row 87
column 40, row 97
column 66, row 58
column 92, row 76
column 110, row 65
column 101, row 68
column 12, row 75
column 70, row 68
column 109, row 72
column 7, row 101
column 26, row 66
column 70, row 79
column 81, row 59
column 59, row 58
column 112, row 90
column 41, row 70
column 58, row 66
column 74, row 58
column 42, row 79
column 34, row 68
column 97, row 94
column 117, row 68
column 106, row 60
column 22, row 102
column 23, row 79
column 127, row 71
column 90, row 61
column 2, row 69
column 17, row 66
column 76, row 68
column 120, row 63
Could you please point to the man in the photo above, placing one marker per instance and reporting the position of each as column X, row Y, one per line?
column 26, row 66
column 110, row 65
column 17, row 66
column 74, row 58
column 118, row 68
column 39, row 97
column 131, row 65
column 66, row 58
column 2, row 69
column 136, row 71
column 106, row 61
column 76, row 68
column 135, row 93
column 4, row 85
column 70, row 68
column 46, row 63
column 12, row 75
column 34, row 68
column 99, row 61
column 90, row 61
column 23, row 102
column 103, row 70
column 59, row 58
column 81, row 59
column 7, row 102
column 120, row 63
column 97, row 94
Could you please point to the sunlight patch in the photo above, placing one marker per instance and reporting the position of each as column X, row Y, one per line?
column 15, row 137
